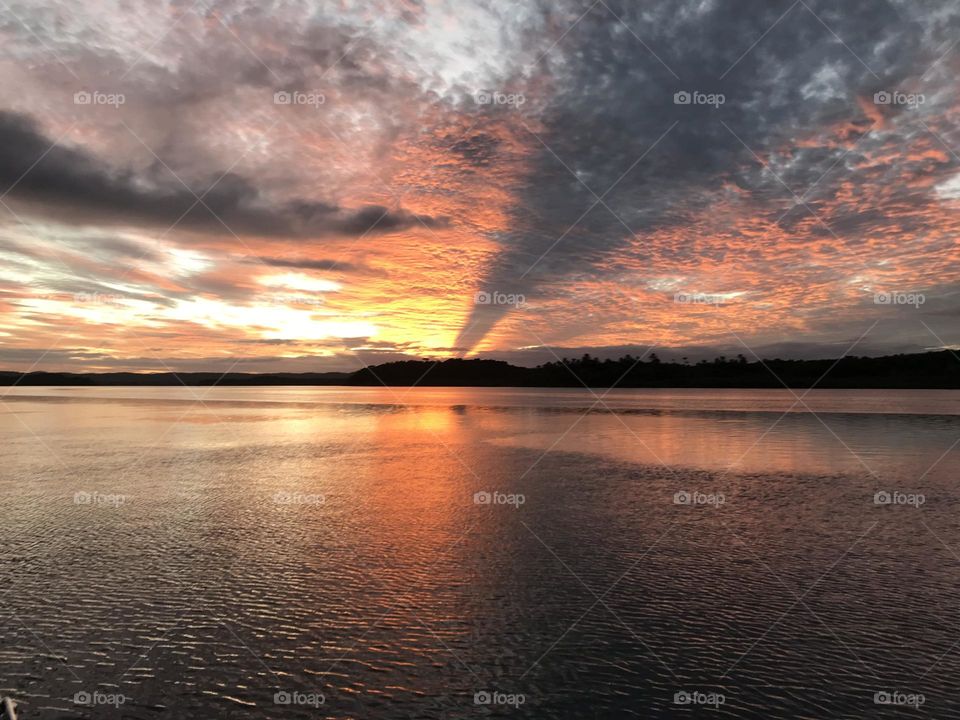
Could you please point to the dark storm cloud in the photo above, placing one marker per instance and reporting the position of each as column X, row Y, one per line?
column 72, row 185
column 614, row 104
column 378, row 219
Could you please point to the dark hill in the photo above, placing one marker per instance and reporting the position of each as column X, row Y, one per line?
column 939, row 369
column 925, row 370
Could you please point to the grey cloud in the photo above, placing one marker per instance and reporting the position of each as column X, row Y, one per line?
column 118, row 247
column 614, row 101
column 74, row 186
column 309, row 264
column 322, row 264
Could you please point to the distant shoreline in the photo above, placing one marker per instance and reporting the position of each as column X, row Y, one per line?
column 936, row 370
column 595, row 388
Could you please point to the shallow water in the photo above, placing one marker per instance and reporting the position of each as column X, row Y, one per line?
column 196, row 551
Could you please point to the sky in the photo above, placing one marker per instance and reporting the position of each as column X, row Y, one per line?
column 312, row 186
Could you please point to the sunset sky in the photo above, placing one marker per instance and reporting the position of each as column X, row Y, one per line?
column 321, row 185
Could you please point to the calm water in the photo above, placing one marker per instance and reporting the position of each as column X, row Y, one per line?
column 452, row 553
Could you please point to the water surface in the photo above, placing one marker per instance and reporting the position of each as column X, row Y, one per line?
column 197, row 551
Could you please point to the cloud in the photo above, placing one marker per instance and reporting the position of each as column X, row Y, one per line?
column 311, row 264
column 72, row 185
column 479, row 149
column 619, row 161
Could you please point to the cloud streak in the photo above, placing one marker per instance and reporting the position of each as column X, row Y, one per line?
column 72, row 185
